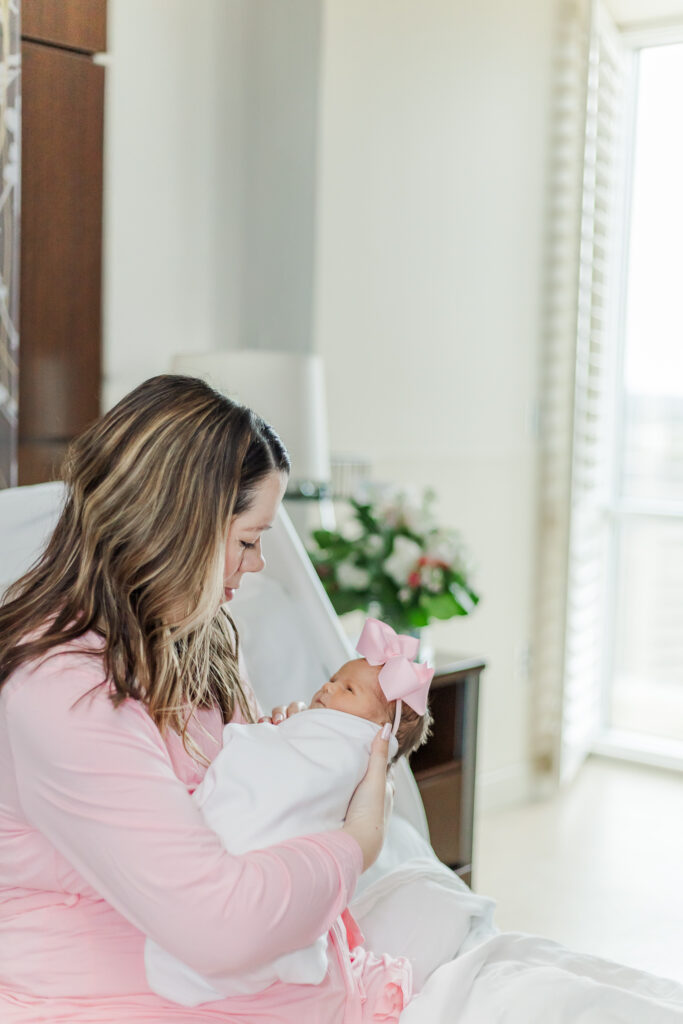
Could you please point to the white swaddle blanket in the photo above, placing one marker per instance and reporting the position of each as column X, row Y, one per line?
column 271, row 783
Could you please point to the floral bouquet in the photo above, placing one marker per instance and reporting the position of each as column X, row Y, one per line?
column 392, row 559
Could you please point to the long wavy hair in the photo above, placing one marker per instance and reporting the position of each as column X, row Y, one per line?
column 137, row 553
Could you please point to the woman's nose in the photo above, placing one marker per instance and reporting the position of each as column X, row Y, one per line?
column 255, row 562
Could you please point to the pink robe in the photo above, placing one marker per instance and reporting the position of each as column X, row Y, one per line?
column 101, row 845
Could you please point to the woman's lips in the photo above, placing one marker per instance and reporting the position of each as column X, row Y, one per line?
column 229, row 593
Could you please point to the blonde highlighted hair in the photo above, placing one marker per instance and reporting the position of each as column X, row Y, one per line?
column 136, row 555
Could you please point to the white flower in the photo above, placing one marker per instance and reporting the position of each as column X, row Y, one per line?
column 385, row 501
column 405, row 594
column 431, row 578
column 413, row 513
column 352, row 530
column 444, row 546
column 388, row 513
column 402, row 560
column 373, row 545
column 405, row 507
column 352, row 577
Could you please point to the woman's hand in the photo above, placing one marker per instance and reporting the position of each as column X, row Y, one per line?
column 283, row 711
column 372, row 801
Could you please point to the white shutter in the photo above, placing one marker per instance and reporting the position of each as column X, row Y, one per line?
column 577, row 375
column 596, row 348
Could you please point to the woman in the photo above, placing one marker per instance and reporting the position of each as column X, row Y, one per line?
column 118, row 670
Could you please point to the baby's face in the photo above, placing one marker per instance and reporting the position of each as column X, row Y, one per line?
column 354, row 688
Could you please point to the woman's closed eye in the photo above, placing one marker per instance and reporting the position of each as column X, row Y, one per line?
column 245, row 544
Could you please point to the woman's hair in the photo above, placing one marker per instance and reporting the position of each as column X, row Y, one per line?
column 137, row 553
column 413, row 729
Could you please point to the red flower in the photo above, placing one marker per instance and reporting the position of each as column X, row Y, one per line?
column 436, row 562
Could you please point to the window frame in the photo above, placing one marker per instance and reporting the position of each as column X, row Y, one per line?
column 643, row 748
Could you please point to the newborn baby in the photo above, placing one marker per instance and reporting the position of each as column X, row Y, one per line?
column 270, row 783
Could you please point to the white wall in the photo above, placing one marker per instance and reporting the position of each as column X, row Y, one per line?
column 211, row 124
column 419, row 227
column 280, row 143
column 627, row 13
column 172, row 183
column 433, row 129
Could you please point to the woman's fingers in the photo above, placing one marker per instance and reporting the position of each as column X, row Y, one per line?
column 380, row 744
column 379, row 753
column 389, row 794
column 295, row 707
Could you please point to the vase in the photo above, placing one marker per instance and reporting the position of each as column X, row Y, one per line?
column 425, row 652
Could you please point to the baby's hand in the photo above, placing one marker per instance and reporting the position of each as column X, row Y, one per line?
column 284, row 711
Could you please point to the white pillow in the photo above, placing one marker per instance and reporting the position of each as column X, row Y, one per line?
column 424, row 912
column 281, row 662
column 28, row 516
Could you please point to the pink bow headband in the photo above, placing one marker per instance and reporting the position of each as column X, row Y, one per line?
column 401, row 678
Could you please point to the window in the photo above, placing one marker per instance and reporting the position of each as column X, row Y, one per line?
column 607, row 659
column 644, row 664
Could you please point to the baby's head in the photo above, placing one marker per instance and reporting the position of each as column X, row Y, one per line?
column 355, row 688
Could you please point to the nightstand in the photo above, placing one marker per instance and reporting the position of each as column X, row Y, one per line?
column 444, row 767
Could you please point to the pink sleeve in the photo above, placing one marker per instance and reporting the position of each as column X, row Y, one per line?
column 98, row 783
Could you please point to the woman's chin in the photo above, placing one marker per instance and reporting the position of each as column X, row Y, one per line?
column 228, row 593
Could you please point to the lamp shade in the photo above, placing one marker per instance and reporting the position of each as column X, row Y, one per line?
column 286, row 388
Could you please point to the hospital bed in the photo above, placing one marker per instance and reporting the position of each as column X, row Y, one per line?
column 408, row 902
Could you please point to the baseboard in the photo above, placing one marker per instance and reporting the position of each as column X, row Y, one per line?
column 503, row 788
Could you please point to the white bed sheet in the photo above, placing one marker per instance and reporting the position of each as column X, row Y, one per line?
column 512, row 978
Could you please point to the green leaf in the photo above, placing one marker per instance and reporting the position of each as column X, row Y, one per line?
column 326, row 538
column 344, row 601
column 439, row 606
column 366, row 518
column 385, row 591
column 417, row 617
column 464, row 597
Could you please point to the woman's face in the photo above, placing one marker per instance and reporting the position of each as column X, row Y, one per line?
column 243, row 546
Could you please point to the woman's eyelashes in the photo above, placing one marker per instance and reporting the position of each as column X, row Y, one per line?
column 245, row 544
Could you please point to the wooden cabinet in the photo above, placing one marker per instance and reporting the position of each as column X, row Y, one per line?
column 73, row 24
column 445, row 766
column 61, row 230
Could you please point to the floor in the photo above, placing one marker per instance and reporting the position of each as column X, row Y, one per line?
column 598, row 868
